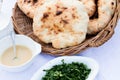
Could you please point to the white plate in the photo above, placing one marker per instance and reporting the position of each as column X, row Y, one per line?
column 92, row 64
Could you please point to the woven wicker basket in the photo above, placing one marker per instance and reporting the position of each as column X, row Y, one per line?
column 23, row 25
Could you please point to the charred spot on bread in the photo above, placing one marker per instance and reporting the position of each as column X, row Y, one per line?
column 58, row 13
column 112, row 3
column 28, row 1
column 64, row 7
column 28, row 13
column 35, row 1
column 65, row 21
column 45, row 15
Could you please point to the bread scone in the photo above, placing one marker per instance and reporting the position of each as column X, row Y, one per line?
column 29, row 6
column 90, row 6
column 61, row 22
column 106, row 9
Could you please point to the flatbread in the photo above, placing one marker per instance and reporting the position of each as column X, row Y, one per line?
column 90, row 6
column 61, row 22
column 106, row 9
column 29, row 6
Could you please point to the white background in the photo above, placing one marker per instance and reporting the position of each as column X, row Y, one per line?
column 107, row 55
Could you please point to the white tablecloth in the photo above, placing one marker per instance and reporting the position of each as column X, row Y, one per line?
column 107, row 55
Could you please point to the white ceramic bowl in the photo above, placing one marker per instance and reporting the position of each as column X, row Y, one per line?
column 20, row 40
column 92, row 64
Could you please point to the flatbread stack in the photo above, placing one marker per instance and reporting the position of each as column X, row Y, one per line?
column 65, row 23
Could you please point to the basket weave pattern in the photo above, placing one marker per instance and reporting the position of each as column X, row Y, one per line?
column 23, row 25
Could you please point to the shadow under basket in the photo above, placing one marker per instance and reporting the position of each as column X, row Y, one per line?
column 23, row 25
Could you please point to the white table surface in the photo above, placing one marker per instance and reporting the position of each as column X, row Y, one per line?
column 107, row 55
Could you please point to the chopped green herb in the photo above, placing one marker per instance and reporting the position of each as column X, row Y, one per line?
column 64, row 71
